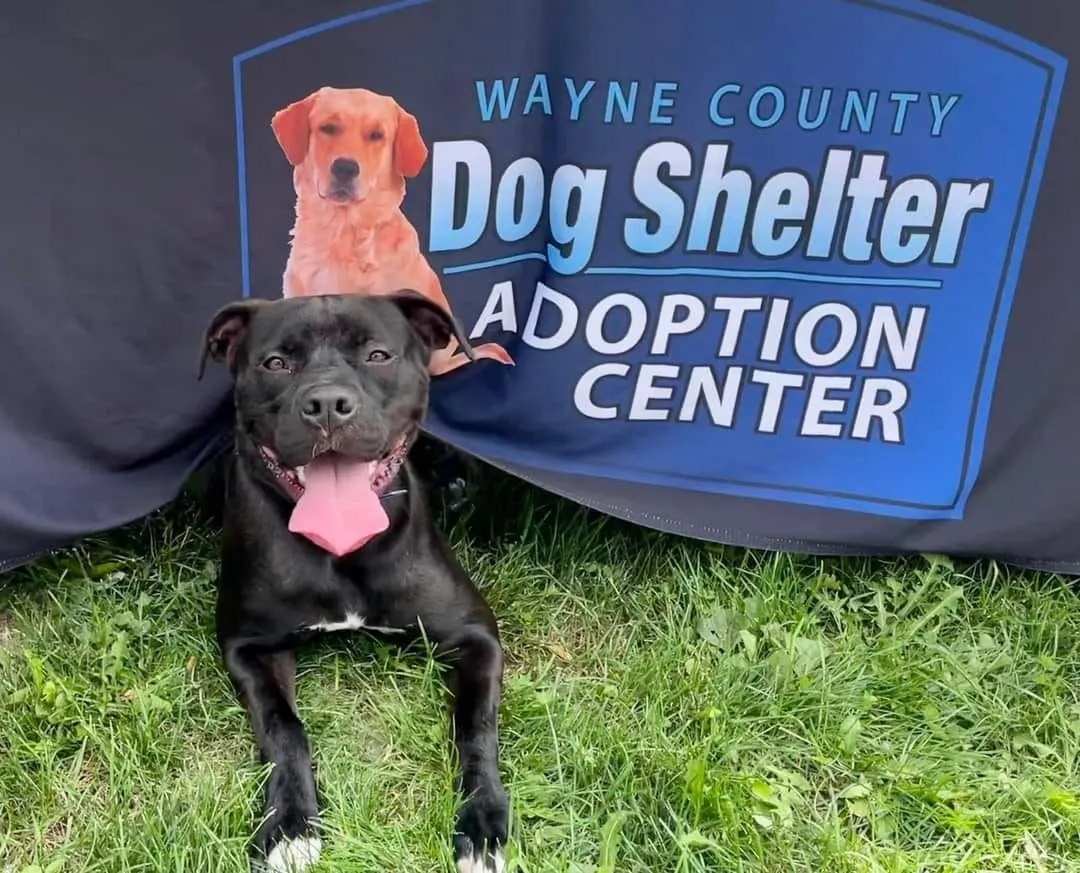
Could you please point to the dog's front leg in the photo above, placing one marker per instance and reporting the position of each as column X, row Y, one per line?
column 476, row 683
column 287, row 841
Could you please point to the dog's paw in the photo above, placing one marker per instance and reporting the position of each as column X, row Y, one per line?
column 293, row 855
column 286, row 844
column 481, row 834
column 493, row 862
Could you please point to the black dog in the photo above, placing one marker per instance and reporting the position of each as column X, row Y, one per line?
column 325, row 529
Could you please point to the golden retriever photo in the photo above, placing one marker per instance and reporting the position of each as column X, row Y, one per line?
column 351, row 151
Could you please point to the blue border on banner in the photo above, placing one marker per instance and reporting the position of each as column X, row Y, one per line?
column 1055, row 67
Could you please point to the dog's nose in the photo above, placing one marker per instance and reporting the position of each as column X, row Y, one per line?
column 345, row 169
column 328, row 408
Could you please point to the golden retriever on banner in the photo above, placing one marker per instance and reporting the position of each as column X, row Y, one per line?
column 351, row 151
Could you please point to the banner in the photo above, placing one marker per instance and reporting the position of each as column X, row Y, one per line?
column 772, row 274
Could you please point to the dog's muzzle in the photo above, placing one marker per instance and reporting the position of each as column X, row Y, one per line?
column 338, row 498
column 293, row 479
column 344, row 173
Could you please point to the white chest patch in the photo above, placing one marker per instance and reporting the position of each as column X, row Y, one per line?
column 352, row 621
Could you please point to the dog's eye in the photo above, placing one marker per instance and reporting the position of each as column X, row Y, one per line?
column 330, row 129
column 375, row 135
column 378, row 356
column 275, row 363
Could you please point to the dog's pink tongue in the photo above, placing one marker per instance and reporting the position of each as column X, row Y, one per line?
column 338, row 510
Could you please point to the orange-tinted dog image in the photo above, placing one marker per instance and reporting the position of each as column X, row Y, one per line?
column 351, row 151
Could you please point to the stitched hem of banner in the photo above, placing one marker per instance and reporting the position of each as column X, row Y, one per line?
column 665, row 524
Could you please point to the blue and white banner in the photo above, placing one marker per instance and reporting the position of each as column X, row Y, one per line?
column 760, row 249
column 771, row 273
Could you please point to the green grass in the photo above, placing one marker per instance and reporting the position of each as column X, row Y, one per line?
column 669, row 706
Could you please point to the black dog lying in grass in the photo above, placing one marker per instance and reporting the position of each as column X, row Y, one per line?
column 326, row 529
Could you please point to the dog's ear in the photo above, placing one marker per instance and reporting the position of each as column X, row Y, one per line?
column 224, row 332
column 410, row 150
column 433, row 324
column 292, row 128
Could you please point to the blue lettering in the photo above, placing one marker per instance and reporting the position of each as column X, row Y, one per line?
column 577, row 97
column 941, row 111
column 446, row 159
column 854, row 105
column 902, row 99
column 659, row 101
column 579, row 237
column 804, row 108
column 907, row 221
column 627, row 102
column 764, row 91
column 499, row 94
column 865, row 189
column 525, row 175
column 538, row 94
column 961, row 200
column 737, row 188
column 658, row 198
column 714, row 105
column 783, row 202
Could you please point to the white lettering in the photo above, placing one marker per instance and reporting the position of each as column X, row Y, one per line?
column 881, row 400
column 701, row 388
column 568, row 319
column 583, row 401
column 645, row 390
column 667, row 323
column 884, row 328
column 848, row 333
column 498, row 309
column 818, row 403
column 635, row 330
column 736, row 308
column 775, row 385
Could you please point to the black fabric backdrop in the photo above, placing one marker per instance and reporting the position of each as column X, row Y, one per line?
column 143, row 189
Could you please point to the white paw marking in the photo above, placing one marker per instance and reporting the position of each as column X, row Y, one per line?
column 477, row 864
column 294, row 856
column 352, row 621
